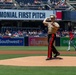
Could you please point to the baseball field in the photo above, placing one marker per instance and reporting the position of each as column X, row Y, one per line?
column 24, row 60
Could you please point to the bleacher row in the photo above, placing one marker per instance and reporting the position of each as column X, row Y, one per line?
column 33, row 4
column 30, row 1
column 11, row 4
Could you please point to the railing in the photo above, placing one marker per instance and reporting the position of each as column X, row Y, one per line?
column 3, row 29
column 6, row 5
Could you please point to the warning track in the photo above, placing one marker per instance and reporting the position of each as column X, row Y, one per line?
column 35, row 52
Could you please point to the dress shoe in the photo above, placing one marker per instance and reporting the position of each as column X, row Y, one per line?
column 48, row 58
column 57, row 54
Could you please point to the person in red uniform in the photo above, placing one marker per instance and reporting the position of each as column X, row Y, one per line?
column 71, row 35
column 52, row 29
column 71, row 38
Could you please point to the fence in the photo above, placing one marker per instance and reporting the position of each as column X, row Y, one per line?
column 33, row 41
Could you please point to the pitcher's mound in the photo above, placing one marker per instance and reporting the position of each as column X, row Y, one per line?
column 40, row 61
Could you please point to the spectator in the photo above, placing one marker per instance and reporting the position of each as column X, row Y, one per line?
column 7, row 33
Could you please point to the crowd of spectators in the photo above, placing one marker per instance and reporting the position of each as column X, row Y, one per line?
column 7, row 4
column 22, row 33
column 59, row 4
column 34, row 4
column 41, row 4
column 65, row 33
column 33, row 33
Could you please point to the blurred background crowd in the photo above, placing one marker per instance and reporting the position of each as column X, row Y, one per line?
column 8, row 30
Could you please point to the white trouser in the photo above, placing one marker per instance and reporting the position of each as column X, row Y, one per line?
column 69, row 44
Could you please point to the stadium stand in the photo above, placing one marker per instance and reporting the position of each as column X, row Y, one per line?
column 72, row 3
column 6, row 4
column 32, row 5
column 36, row 4
column 43, row 4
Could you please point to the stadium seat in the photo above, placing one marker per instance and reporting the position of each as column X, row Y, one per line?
column 25, row 1
column 6, row 5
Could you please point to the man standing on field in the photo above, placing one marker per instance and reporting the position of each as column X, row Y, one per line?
column 71, row 37
column 52, row 29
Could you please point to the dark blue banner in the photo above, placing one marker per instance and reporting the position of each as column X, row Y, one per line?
column 69, row 15
column 11, row 41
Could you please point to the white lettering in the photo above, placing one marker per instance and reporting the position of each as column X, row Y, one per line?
column 9, row 41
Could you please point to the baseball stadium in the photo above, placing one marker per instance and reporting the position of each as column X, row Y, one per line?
column 23, row 37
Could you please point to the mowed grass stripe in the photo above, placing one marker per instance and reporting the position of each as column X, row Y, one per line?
column 30, row 48
column 9, row 56
column 12, row 70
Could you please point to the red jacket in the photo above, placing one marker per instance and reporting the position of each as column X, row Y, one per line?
column 71, row 35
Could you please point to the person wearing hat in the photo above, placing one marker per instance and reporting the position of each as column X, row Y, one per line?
column 52, row 29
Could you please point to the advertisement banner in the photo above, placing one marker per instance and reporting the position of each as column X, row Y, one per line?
column 11, row 41
column 58, row 14
column 15, row 14
column 8, row 14
column 38, row 41
column 64, row 41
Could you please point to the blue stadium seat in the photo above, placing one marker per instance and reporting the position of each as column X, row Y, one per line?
column 54, row 0
column 25, row 1
column 6, row 5
column 29, row 1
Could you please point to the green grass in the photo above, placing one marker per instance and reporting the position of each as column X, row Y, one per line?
column 15, row 70
column 9, row 56
column 30, row 48
column 12, row 70
column 24, row 48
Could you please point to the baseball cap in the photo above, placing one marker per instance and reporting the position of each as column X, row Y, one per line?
column 52, row 16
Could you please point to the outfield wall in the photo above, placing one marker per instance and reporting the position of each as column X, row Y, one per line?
column 64, row 41
column 38, row 41
column 33, row 41
column 23, row 41
column 7, row 41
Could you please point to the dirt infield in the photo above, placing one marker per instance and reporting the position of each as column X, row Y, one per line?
column 34, row 52
column 38, row 60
